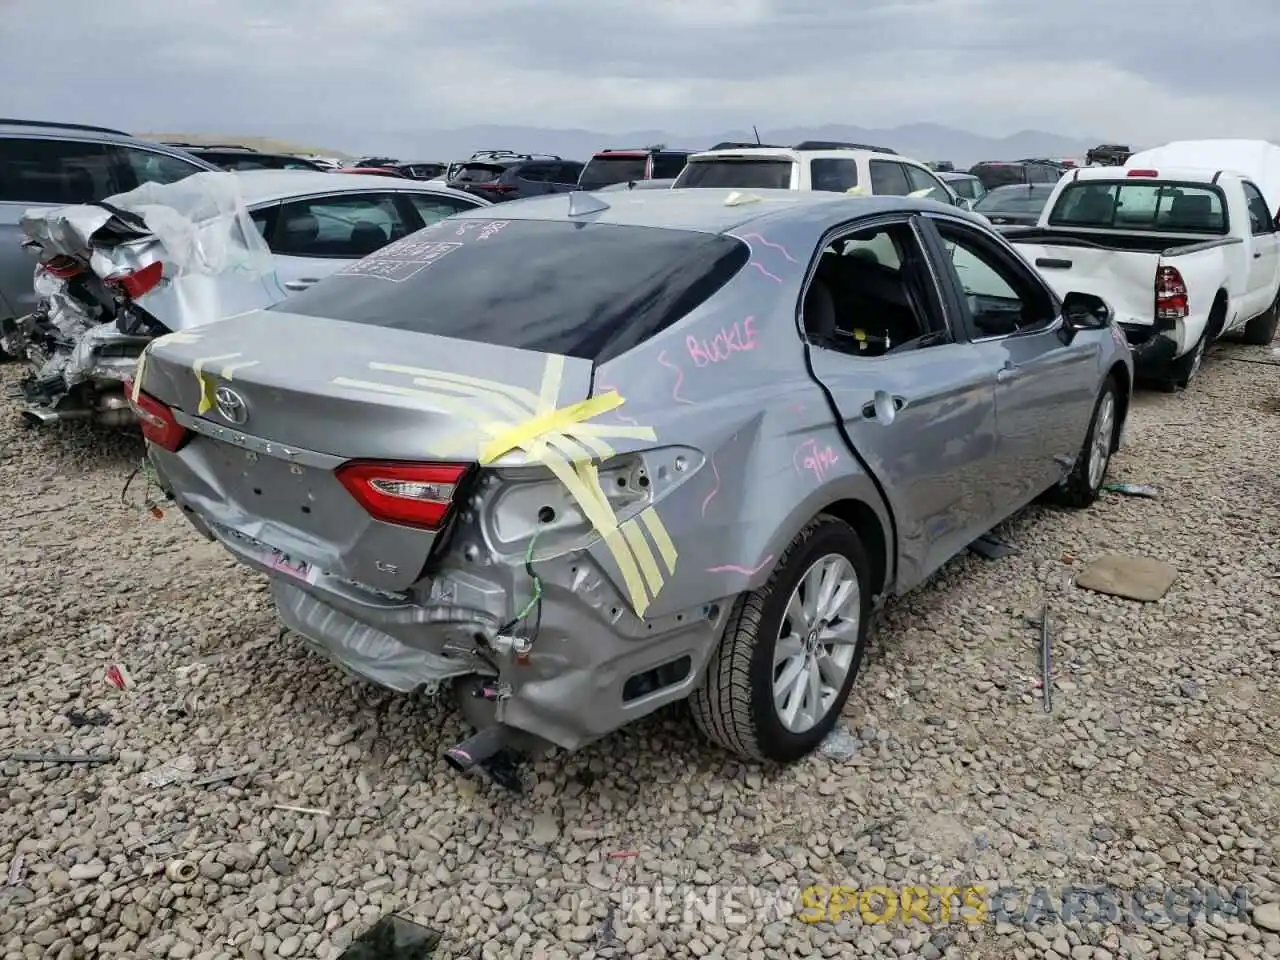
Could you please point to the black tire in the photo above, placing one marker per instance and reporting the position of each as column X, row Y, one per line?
column 1261, row 330
column 1078, row 490
column 734, row 706
column 1184, row 368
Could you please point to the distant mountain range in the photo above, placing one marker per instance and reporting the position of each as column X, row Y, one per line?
column 923, row 141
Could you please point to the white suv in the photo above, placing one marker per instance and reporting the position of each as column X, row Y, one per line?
column 814, row 165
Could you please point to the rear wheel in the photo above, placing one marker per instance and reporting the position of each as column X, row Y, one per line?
column 1084, row 483
column 791, row 650
column 1261, row 330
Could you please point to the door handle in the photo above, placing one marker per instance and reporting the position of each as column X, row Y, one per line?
column 1007, row 373
column 300, row 284
column 871, row 409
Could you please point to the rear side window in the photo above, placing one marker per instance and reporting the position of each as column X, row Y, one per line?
column 889, row 179
column 1129, row 205
column 607, row 169
column 348, row 226
column 833, row 175
column 480, row 173
column 964, row 188
column 588, row 290
column 737, row 173
column 55, row 171
column 568, row 172
column 432, row 207
column 147, row 166
column 667, row 166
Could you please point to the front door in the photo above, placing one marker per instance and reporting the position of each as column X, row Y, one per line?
column 918, row 408
column 1044, row 394
column 1264, row 263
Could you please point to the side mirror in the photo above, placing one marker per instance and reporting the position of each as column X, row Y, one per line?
column 1086, row 311
column 962, row 203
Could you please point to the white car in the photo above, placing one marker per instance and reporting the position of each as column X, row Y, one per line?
column 815, row 165
column 316, row 223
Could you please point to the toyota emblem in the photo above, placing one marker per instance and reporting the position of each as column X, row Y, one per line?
column 231, row 405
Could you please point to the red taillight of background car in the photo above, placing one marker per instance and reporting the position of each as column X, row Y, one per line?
column 157, row 421
column 501, row 189
column 137, row 283
column 62, row 267
column 407, row 494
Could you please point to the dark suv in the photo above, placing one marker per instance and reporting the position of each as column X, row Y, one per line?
column 502, row 175
column 56, row 164
column 1002, row 173
column 624, row 166
column 233, row 156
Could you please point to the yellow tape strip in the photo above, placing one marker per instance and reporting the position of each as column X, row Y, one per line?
column 653, row 523
column 140, row 372
column 228, row 372
column 552, row 421
column 559, row 439
column 207, row 383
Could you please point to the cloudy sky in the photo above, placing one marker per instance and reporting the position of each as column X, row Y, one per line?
column 343, row 70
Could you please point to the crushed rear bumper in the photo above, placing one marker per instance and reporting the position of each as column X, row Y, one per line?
column 1153, row 350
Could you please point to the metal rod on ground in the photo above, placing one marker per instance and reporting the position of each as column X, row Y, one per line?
column 1045, row 662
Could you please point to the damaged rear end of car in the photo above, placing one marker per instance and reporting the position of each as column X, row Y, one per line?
column 434, row 480
column 113, row 275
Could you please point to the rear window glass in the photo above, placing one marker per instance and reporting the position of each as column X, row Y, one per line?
column 995, row 175
column 607, row 170
column 738, row 174
column 1018, row 199
column 480, row 173
column 588, row 290
column 1133, row 205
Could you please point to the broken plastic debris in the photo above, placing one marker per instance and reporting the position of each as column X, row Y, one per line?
column 623, row 854
column 393, row 938
column 15, row 870
column 1132, row 490
column 839, row 745
column 180, row 768
column 87, row 718
column 314, row 811
column 118, row 676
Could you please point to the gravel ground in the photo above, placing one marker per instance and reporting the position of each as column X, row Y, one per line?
column 1157, row 766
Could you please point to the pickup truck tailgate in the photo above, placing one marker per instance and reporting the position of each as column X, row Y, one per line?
column 1125, row 279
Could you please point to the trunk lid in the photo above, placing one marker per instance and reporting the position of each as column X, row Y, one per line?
column 305, row 386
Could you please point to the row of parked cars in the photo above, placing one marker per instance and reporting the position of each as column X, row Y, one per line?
column 492, row 449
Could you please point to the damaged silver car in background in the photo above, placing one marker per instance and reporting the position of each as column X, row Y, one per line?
column 115, row 274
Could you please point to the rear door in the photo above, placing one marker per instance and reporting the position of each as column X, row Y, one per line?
column 1045, row 388
column 315, row 236
column 922, row 415
column 1264, row 264
column 924, row 184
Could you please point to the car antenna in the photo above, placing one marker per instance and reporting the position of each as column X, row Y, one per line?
column 757, row 133
column 582, row 203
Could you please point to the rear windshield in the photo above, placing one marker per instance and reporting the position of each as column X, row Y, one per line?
column 480, row 173
column 994, row 175
column 604, row 171
column 1026, row 198
column 755, row 173
column 1159, row 207
column 588, row 290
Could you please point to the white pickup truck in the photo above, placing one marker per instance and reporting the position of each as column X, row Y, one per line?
column 1183, row 256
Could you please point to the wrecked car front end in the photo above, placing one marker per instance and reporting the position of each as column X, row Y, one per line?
column 113, row 276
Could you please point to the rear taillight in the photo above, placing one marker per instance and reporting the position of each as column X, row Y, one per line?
column 157, row 421
column 1143, row 173
column 137, row 283
column 1171, row 295
column 63, row 267
column 406, row 494
column 496, row 187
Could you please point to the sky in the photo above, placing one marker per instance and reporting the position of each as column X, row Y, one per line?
column 345, row 71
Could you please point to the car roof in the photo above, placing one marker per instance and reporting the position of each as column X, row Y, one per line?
column 264, row 186
column 48, row 129
column 707, row 209
column 796, row 155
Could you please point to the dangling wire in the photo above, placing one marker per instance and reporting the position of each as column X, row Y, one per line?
column 148, row 472
column 534, row 605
